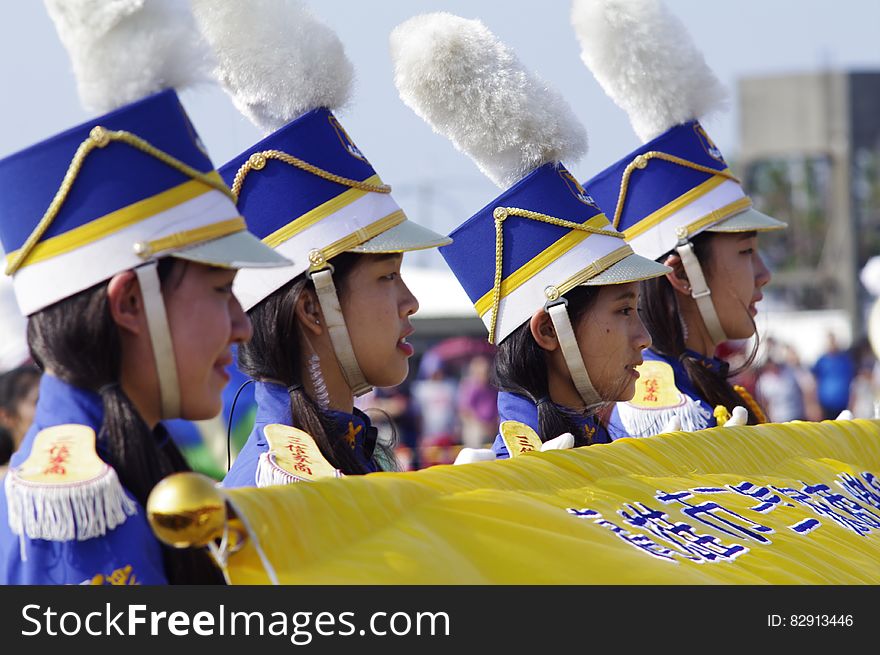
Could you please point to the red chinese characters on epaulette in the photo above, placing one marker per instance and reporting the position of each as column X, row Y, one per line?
column 651, row 388
column 59, row 455
column 300, row 456
column 524, row 444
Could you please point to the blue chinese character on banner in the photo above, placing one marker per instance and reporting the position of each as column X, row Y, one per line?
column 717, row 517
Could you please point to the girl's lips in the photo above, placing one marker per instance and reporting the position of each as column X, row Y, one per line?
column 405, row 347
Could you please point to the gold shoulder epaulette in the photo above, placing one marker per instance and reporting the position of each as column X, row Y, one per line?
column 658, row 400
column 655, row 388
column 519, row 438
column 293, row 456
column 64, row 490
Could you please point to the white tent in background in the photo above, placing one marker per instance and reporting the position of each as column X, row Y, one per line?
column 439, row 293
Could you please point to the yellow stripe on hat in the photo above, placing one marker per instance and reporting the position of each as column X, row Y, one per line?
column 655, row 218
column 116, row 220
column 356, row 238
column 316, row 215
column 718, row 215
column 196, row 235
column 539, row 262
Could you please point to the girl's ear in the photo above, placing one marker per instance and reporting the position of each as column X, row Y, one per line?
column 125, row 302
column 543, row 332
column 308, row 312
column 677, row 278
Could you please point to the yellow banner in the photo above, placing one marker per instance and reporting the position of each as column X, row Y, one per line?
column 781, row 503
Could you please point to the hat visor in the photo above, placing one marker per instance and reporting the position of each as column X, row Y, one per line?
column 402, row 238
column 632, row 268
column 238, row 250
column 750, row 220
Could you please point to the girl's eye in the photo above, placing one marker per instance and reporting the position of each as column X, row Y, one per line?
column 226, row 288
column 627, row 311
column 391, row 276
column 748, row 251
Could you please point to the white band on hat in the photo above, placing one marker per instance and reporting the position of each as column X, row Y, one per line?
column 160, row 338
column 339, row 337
column 700, row 291
column 572, row 353
column 40, row 284
column 353, row 212
column 714, row 201
column 519, row 304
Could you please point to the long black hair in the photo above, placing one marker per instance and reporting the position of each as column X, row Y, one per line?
column 521, row 368
column 660, row 313
column 78, row 341
column 275, row 354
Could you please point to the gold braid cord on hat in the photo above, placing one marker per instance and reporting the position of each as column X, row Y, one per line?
column 501, row 214
column 257, row 162
column 99, row 137
column 641, row 162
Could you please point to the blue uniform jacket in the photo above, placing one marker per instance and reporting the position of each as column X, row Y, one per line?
column 273, row 406
column 513, row 407
column 127, row 554
column 699, row 412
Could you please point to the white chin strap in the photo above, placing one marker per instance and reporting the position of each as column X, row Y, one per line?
column 700, row 291
column 339, row 337
column 558, row 311
column 160, row 337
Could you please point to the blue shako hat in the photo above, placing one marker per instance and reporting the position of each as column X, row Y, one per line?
column 307, row 187
column 311, row 194
column 544, row 234
column 121, row 191
column 112, row 193
column 677, row 184
column 535, row 242
column 674, row 187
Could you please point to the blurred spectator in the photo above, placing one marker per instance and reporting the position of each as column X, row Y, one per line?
column 779, row 392
column 434, row 402
column 478, row 405
column 19, row 389
column 834, row 373
column 806, row 381
column 862, row 392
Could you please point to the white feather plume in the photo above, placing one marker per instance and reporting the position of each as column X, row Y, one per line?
column 457, row 76
column 646, row 61
column 275, row 58
column 124, row 50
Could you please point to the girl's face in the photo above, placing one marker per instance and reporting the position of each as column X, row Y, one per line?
column 205, row 319
column 377, row 305
column 736, row 274
column 611, row 337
